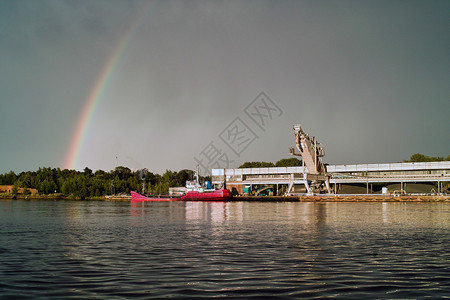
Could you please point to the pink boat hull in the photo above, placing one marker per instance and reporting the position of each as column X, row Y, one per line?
column 138, row 197
column 217, row 195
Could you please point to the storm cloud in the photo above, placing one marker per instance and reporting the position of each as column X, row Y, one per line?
column 369, row 79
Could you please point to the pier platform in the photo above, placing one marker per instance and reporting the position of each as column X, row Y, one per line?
column 366, row 175
column 346, row 198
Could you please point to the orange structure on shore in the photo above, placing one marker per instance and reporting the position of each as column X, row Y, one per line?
column 8, row 189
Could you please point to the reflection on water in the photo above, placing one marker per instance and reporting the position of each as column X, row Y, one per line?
column 352, row 214
column 59, row 249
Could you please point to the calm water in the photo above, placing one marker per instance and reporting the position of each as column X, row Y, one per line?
column 108, row 250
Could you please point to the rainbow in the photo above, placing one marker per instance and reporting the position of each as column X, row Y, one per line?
column 95, row 96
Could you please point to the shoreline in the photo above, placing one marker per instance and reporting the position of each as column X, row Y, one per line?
column 316, row 198
column 348, row 198
column 60, row 197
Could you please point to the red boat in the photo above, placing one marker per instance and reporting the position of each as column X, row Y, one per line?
column 216, row 195
column 195, row 192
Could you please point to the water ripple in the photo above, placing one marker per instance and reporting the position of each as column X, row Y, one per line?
column 301, row 250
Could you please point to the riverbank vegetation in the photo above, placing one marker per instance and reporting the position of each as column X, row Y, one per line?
column 89, row 184
column 285, row 162
column 424, row 158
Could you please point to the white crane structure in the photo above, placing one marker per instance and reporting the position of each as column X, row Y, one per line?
column 311, row 152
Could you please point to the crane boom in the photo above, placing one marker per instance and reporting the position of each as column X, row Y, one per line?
column 310, row 150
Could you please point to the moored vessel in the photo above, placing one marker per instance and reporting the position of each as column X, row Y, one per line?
column 216, row 195
column 194, row 192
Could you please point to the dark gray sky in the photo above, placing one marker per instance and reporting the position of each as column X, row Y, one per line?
column 369, row 79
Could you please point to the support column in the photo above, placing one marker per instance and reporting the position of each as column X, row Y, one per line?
column 308, row 188
column 305, row 179
column 291, row 184
column 327, row 184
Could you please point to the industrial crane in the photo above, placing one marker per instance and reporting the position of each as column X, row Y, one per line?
column 311, row 151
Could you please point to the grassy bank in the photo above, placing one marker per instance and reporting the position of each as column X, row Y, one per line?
column 318, row 198
column 58, row 197
column 347, row 198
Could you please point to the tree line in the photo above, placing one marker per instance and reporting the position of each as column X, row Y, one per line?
column 418, row 157
column 285, row 162
column 87, row 183
column 294, row 162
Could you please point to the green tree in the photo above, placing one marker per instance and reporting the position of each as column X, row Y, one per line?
column 26, row 179
column 88, row 172
column 15, row 189
column 44, row 187
column 65, row 188
column 97, row 186
column 256, row 164
column 122, row 172
column 169, row 178
column 151, row 178
column 26, row 191
column 289, row 162
column 418, row 157
column 53, row 188
column 161, row 188
column 100, row 174
column 183, row 176
column 8, row 178
column 81, row 187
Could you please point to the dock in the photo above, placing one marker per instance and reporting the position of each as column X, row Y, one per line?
column 346, row 198
column 404, row 175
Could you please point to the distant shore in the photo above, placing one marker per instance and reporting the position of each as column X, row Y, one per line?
column 349, row 198
column 317, row 198
column 61, row 197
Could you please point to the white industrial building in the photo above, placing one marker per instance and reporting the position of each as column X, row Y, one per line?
column 291, row 180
